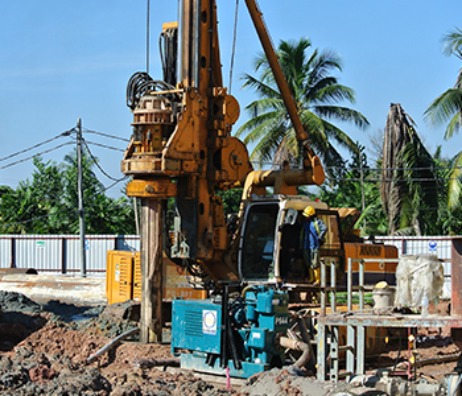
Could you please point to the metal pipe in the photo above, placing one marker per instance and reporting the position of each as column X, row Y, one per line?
column 349, row 285
column 361, row 285
column 333, row 283
column 224, row 328
column 150, row 363
column 323, row 288
column 112, row 344
column 297, row 346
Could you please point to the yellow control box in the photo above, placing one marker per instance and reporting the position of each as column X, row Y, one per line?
column 124, row 279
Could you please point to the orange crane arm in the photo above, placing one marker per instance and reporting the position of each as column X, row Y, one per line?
column 311, row 160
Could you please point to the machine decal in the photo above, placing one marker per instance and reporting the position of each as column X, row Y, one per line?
column 370, row 250
column 209, row 322
column 281, row 320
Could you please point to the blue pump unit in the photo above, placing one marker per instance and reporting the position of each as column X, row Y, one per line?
column 237, row 334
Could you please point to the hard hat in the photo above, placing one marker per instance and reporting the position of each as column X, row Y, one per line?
column 309, row 211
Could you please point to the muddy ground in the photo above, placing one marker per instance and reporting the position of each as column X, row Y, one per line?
column 44, row 348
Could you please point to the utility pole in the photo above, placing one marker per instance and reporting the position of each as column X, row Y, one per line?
column 83, row 256
column 363, row 196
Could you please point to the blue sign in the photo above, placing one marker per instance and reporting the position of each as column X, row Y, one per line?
column 432, row 246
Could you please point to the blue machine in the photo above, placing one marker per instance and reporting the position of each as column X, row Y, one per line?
column 240, row 334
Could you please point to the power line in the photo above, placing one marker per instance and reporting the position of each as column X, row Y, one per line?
column 433, row 168
column 107, row 135
column 25, row 221
column 35, row 155
column 95, row 161
column 358, row 168
column 105, row 146
column 113, row 184
column 382, row 180
column 66, row 133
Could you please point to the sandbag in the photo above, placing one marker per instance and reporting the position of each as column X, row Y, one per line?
column 419, row 280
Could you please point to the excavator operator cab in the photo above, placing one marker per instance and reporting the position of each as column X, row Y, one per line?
column 271, row 241
column 257, row 244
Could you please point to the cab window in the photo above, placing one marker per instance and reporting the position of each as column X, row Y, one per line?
column 258, row 241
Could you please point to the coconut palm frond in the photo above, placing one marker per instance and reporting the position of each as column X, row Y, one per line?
column 453, row 126
column 342, row 114
column 288, row 150
column 331, row 91
column 455, row 185
column 311, row 122
column 260, row 87
column 453, row 43
column 445, row 106
column 267, row 146
column 257, row 107
column 322, row 65
column 263, row 120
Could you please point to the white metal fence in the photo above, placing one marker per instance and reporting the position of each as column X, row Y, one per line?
column 61, row 253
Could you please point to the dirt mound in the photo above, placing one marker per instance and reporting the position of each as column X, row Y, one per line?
column 112, row 320
column 278, row 382
column 11, row 301
column 45, row 349
column 53, row 361
column 71, row 312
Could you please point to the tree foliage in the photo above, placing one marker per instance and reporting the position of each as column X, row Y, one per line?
column 447, row 109
column 48, row 203
column 360, row 189
column 317, row 94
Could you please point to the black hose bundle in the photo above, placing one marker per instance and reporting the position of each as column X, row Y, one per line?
column 139, row 84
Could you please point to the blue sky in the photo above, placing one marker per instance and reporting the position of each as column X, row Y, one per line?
column 61, row 60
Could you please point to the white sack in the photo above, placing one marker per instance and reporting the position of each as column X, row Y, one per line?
column 419, row 279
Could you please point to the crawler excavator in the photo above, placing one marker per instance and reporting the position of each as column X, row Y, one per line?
column 180, row 156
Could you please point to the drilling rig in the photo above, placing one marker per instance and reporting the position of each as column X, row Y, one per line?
column 182, row 149
column 181, row 154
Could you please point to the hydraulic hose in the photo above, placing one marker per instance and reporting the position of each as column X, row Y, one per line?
column 297, row 346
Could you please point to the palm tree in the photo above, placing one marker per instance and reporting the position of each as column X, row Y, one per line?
column 316, row 93
column 447, row 108
column 409, row 188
